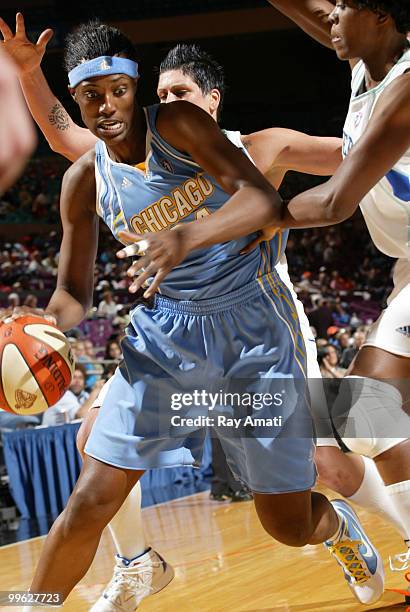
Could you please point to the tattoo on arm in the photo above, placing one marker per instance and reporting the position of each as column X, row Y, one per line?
column 58, row 117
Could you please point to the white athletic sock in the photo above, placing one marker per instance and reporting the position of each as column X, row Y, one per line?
column 338, row 533
column 373, row 495
column 126, row 526
column 399, row 495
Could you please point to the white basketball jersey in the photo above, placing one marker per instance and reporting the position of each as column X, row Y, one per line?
column 386, row 208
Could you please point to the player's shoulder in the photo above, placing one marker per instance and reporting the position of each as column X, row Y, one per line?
column 394, row 101
column 182, row 116
column 79, row 179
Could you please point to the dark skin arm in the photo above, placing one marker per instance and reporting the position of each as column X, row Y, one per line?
column 312, row 16
column 73, row 296
column 253, row 203
column 384, row 142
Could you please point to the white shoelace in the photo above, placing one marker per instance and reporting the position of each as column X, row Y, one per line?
column 131, row 577
column 403, row 559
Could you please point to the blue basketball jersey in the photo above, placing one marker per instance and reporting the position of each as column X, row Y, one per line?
column 170, row 188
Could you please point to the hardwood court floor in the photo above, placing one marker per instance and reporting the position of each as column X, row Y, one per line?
column 223, row 562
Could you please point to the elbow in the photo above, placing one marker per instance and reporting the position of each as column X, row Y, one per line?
column 333, row 211
column 275, row 209
column 58, row 147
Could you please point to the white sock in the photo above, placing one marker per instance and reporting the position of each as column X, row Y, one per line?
column 373, row 495
column 126, row 526
column 399, row 495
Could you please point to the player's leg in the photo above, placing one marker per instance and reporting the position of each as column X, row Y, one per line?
column 128, row 519
column 73, row 539
column 132, row 552
column 276, row 458
column 357, row 479
column 381, row 383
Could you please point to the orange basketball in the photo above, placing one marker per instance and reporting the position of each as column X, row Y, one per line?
column 36, row 365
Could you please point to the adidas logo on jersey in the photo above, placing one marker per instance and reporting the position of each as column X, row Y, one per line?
column 125, row 183
column 405, row 330
column 166, row 164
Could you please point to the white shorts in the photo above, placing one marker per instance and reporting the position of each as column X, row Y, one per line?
column 313, row 370
column 97, row 403
column 391, row 331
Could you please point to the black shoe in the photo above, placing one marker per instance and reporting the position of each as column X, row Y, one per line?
column 241, row 495
column 220, row 497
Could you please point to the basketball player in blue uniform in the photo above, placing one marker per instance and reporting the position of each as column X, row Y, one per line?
column 220, row 315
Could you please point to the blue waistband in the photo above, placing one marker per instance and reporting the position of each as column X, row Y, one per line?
column 218, row 304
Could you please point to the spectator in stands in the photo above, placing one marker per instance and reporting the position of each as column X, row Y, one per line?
column 343, row 340
column 13, row 300
column 321, row 318
column 328, row 357
column 69, row 408
column 340, row 315
column 113, row 350
column 349, row 353
column 50, row 263
column 77, row 385
column 108, row 306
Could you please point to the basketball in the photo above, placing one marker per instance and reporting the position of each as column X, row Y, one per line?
column 36, row 365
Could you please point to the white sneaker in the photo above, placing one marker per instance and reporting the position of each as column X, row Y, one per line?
column 134, row 580
column 361, row 562
column 400, row 562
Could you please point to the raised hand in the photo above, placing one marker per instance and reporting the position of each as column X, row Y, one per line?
column 26, row 55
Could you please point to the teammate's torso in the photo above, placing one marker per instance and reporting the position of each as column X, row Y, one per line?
column 168, row 189
column 386, row 208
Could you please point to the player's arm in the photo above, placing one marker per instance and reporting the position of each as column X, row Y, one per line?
column 17, row 135
column 279, row 148
column 72, row 298
column 253, row 202
column 384, row 142
column 310, row 15
column 63, row 135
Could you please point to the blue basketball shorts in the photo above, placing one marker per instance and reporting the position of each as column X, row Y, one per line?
column 235, row 366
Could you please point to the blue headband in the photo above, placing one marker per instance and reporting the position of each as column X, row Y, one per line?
column 102, row 66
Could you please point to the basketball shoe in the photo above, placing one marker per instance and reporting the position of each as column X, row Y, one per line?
column 400, row 562
column 360, row 560
column 132, row 581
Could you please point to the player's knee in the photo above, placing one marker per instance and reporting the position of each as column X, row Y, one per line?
column 85, row 502
column 329, row 473
column 294, row 534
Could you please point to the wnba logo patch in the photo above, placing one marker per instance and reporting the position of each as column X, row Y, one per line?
column 24, row 399
column 358, row 118
column 166, row 164
column 405, row 330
